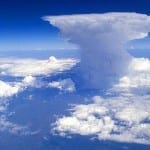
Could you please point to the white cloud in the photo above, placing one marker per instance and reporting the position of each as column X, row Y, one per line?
column 102, row 39
column 9, row 89
column 34, row 67
column 29, row 81
column 63, row 85
column 137, row 79
column 26, row 68
column 123, row 119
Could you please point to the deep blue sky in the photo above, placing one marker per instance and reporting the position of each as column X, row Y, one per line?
column 21, row 26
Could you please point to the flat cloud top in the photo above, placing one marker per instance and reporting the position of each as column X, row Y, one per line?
column 133, row 25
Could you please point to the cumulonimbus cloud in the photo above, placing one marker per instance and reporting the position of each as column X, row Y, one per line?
column 101, row 39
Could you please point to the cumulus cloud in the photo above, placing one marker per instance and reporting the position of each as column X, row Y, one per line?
column 27, row 69
column 34, row 67
column 102, row 39
column 123, row 119
column 63, row 85
column 137, row 80
column 9, row 89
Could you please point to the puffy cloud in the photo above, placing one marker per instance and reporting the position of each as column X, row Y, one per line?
column 63, row 85
column 102, row 39
column 137, row 80
column 34, row 67
column 30, row 81
column 9, row 89
column 26, row 68
column 123, row 119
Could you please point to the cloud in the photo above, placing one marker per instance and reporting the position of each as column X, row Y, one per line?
column 9, row 89
column 101, row 39
column 137, row 80
column 123, row 116
column 122, row 119
column 63, row 85
column 34, row 67
column 27, row 69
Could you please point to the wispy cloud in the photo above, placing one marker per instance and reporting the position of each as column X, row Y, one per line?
column 66, row 85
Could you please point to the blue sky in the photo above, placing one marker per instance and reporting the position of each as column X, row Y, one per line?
column 21, row 26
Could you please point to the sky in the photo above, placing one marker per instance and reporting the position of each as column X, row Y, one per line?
column 21, row 26
column 103, row 95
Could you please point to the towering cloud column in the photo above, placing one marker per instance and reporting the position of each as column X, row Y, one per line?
column 101, row 39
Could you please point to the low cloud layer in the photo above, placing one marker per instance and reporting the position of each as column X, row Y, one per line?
column 123, row 119
column 123, row 116
column 101, row 39
column 9, row 89
column 34, row 67
column 27, row 70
